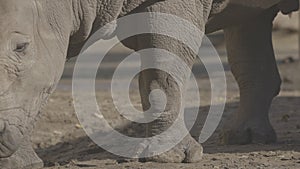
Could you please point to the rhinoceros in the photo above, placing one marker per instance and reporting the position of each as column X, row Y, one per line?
column 37, row 36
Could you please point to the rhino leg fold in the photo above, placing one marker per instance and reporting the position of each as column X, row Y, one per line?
column 253, row 64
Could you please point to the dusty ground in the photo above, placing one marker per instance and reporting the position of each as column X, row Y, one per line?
column 61, row 142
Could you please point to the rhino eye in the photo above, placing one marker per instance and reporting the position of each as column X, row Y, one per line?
column 21, row 47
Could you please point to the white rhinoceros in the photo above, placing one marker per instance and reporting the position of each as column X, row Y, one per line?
column 37, row 36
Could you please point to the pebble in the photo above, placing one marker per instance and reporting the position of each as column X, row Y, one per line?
column 214, row 159
column 78, row 126
column 57, row 132
column 100, row 116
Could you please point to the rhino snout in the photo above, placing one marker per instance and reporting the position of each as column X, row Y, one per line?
column 10, row 139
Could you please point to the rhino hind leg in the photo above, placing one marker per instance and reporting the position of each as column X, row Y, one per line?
column 253, row 64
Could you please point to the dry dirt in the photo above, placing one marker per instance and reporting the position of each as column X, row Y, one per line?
column 61, row 142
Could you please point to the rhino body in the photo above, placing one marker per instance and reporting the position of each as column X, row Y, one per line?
column 37, row 36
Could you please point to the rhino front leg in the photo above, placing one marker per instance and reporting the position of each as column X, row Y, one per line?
column 153, row 80
column 253, row 64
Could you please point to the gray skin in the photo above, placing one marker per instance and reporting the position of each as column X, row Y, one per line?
column 37, row 36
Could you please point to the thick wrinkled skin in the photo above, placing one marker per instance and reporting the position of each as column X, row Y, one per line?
column 37, row 36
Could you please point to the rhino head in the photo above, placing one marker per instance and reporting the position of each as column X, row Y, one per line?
column 35, row 37
column 31, row 62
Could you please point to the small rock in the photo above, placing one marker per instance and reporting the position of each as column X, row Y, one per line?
column 214, row 159
column 270, row 154
column 56, row 164
column 100, row 116
column 285, row 118
column 289, row 59
column 78, row 126
column 244, row 156
column 124, row 160
column 285, row 159
column 254, row 154
column 57, row 132
column 287, row 80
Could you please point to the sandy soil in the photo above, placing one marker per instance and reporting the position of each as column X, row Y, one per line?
column 61, row 142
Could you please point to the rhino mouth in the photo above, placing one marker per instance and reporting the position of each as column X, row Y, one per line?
column 12, row 125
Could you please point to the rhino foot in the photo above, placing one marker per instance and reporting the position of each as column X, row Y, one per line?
column 24, row 158
column 257, row 131
column 188, row 151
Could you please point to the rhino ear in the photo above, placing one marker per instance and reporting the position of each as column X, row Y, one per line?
column 103, row 17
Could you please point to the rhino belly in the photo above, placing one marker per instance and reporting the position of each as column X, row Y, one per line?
column 231, row 12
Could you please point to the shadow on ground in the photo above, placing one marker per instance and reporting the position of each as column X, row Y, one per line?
column 284, row 115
